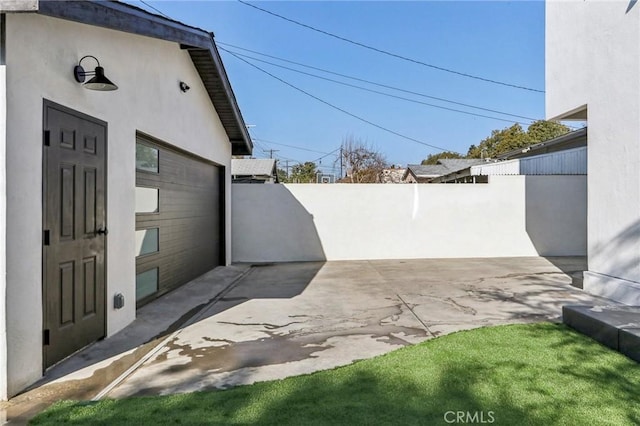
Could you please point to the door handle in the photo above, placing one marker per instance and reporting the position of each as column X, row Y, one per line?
column 102, row 231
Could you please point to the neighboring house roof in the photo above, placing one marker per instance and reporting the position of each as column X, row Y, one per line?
column 444, row 167
column 455, row 164
column 565, row 162
column 253, row 167
column 562, row 162
column 570, row 158
column 428, row 171
column 199, row 43
column 575, row 139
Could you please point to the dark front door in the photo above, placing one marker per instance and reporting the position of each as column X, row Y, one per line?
column 74, row 221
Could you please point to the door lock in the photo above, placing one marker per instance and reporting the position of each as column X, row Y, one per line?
column 102, row 231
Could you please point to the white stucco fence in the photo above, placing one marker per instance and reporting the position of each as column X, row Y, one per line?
column 510, row 216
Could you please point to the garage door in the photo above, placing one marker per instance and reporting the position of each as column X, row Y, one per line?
column 179, row 218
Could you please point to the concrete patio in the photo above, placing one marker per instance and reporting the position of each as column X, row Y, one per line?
column 242, row 324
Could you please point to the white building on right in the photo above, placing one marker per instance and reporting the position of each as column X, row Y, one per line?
column 593, row 74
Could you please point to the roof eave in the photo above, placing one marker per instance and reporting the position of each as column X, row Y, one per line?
column 226, row 105
column 576, row 114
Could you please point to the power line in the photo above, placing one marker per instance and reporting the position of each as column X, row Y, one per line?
column 265, row 149
column 258, row 145
column 261, row 143
column 331, row 153
column 295, row 160
column 387, row 94
column 369, row 81
column 157, row 10
column 290, row 146
column 393, row 132
column 386, row 52
column 271, row 151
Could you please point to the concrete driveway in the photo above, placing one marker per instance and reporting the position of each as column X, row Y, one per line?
column 288, row 319
column 241, row 324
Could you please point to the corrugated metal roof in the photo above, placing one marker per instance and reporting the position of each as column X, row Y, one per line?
column 569, row 140
column 444, row 167
column 252, row 167
column 455, row 164
column 569, row 162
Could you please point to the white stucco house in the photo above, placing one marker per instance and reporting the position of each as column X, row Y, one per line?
column 137, row 143
column 592, row 68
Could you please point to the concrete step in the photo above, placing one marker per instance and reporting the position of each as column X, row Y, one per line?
column 615, row 326
column 629, row 343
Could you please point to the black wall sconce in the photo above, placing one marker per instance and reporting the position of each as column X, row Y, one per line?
column 98, row 82
column 184, row 87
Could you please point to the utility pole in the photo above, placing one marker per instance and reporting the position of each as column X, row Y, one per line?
column 341, row 175
column 270, row 151
column 287, row 167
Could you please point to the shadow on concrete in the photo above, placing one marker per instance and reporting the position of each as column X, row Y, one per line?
column 556, row 214
column 529, row 298
column 569, row 384
column 287, row 232
column 82, row 376
column 265, row 282
column 284, row 282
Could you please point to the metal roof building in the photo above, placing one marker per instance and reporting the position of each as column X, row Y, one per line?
column 569, row 162
column 251, row 170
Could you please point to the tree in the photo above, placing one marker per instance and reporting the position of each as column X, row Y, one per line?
column 364, row 164
column 433, row 158
column 500, row 141
column 542, row 130
column 282, row 176
column 303, row 173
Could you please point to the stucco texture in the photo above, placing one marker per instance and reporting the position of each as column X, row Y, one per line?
column 593, row 59
column 510, row 216
column 40, row 55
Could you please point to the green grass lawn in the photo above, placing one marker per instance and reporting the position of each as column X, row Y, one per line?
column 537, row 374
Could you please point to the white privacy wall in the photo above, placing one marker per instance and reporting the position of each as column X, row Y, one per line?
column 40, row 55
column 510, row 216
column 593, row 59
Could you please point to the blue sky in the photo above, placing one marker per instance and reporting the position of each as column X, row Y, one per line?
column 502, row 41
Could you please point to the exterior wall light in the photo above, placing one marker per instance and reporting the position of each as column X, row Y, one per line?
column 99, row 81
